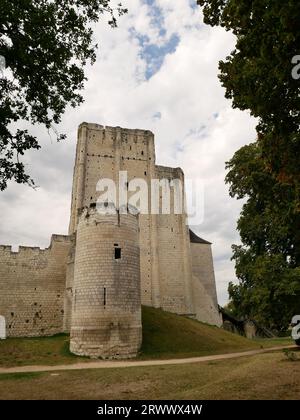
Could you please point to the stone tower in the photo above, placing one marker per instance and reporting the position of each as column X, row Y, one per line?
column 92, row 282
column 166, row 270
column 106, row 307
column 177, row 275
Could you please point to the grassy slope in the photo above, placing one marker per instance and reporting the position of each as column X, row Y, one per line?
column 165, row 335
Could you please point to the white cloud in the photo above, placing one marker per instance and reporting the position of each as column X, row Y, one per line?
column 197, row 128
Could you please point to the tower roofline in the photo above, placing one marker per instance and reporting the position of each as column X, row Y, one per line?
column 195, row 239
column 95, row 126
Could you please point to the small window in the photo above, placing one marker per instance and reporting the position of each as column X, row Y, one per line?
column 145, row 173
column 142, row 152
column 117, row 253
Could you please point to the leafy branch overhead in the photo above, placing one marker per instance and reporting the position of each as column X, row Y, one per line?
column 46, row 45
column 257, row 77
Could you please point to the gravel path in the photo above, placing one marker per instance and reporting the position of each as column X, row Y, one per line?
column 104, row 364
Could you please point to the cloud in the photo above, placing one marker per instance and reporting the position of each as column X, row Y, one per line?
column 161, row 76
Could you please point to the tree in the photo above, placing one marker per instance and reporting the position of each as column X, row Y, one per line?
column 46, row 45
column 267, row 264
column 257, row 76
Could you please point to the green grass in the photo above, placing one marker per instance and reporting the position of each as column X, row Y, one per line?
column 20, row 376
column 37, row 351
column 264, row 376
column 165, row 335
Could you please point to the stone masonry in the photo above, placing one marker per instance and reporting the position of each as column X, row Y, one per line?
column 106, row 311
column 64, row 287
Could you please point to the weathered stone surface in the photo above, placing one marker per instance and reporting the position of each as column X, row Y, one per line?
column 106, row 307
column 38, row 287
column 32, row 287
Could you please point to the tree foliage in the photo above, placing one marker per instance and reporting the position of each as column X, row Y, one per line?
column 257, row 76
column 45, row 44
column 267, row 264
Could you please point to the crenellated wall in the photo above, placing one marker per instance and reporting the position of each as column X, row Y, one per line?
column 176, row 268
column 165, row 259
column 32, row 287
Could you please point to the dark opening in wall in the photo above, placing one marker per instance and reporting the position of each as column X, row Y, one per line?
column 117, row 253
column 104, row 296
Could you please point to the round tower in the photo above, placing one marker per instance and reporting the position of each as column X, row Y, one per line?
column 106, row 307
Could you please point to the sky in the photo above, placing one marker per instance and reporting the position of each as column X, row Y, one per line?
column 157, row 71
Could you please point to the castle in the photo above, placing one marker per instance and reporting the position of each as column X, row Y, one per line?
column 93, row 281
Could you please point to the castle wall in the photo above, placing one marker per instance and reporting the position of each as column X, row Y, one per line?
column 106, row 310
column 32, row 284
column 174, row 253
column 68, row 295
column 38, row 287
column 165, row 259
column 101, row 153
column 203, row 284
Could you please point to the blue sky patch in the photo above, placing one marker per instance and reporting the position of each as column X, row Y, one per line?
column 154, row 54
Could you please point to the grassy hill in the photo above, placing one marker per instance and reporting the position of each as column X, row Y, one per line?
column 165, row 335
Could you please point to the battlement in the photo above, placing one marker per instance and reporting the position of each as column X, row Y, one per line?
column 110, row 129
column 169, row 172
column 34, row 250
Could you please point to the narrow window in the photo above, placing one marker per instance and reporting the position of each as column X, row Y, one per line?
column 117, row 253
column 142, row 152
column 145, row 173
column 104, row 296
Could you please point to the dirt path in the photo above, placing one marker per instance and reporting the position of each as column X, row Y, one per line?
column 127, row 363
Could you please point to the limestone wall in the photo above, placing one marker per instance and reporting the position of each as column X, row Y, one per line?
column 101, row 153
column 165, row 252
column 174, row 252
column 32, row 284
column 106, row 309
column 165, row 261
column 68, row 295
column 204, row 286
